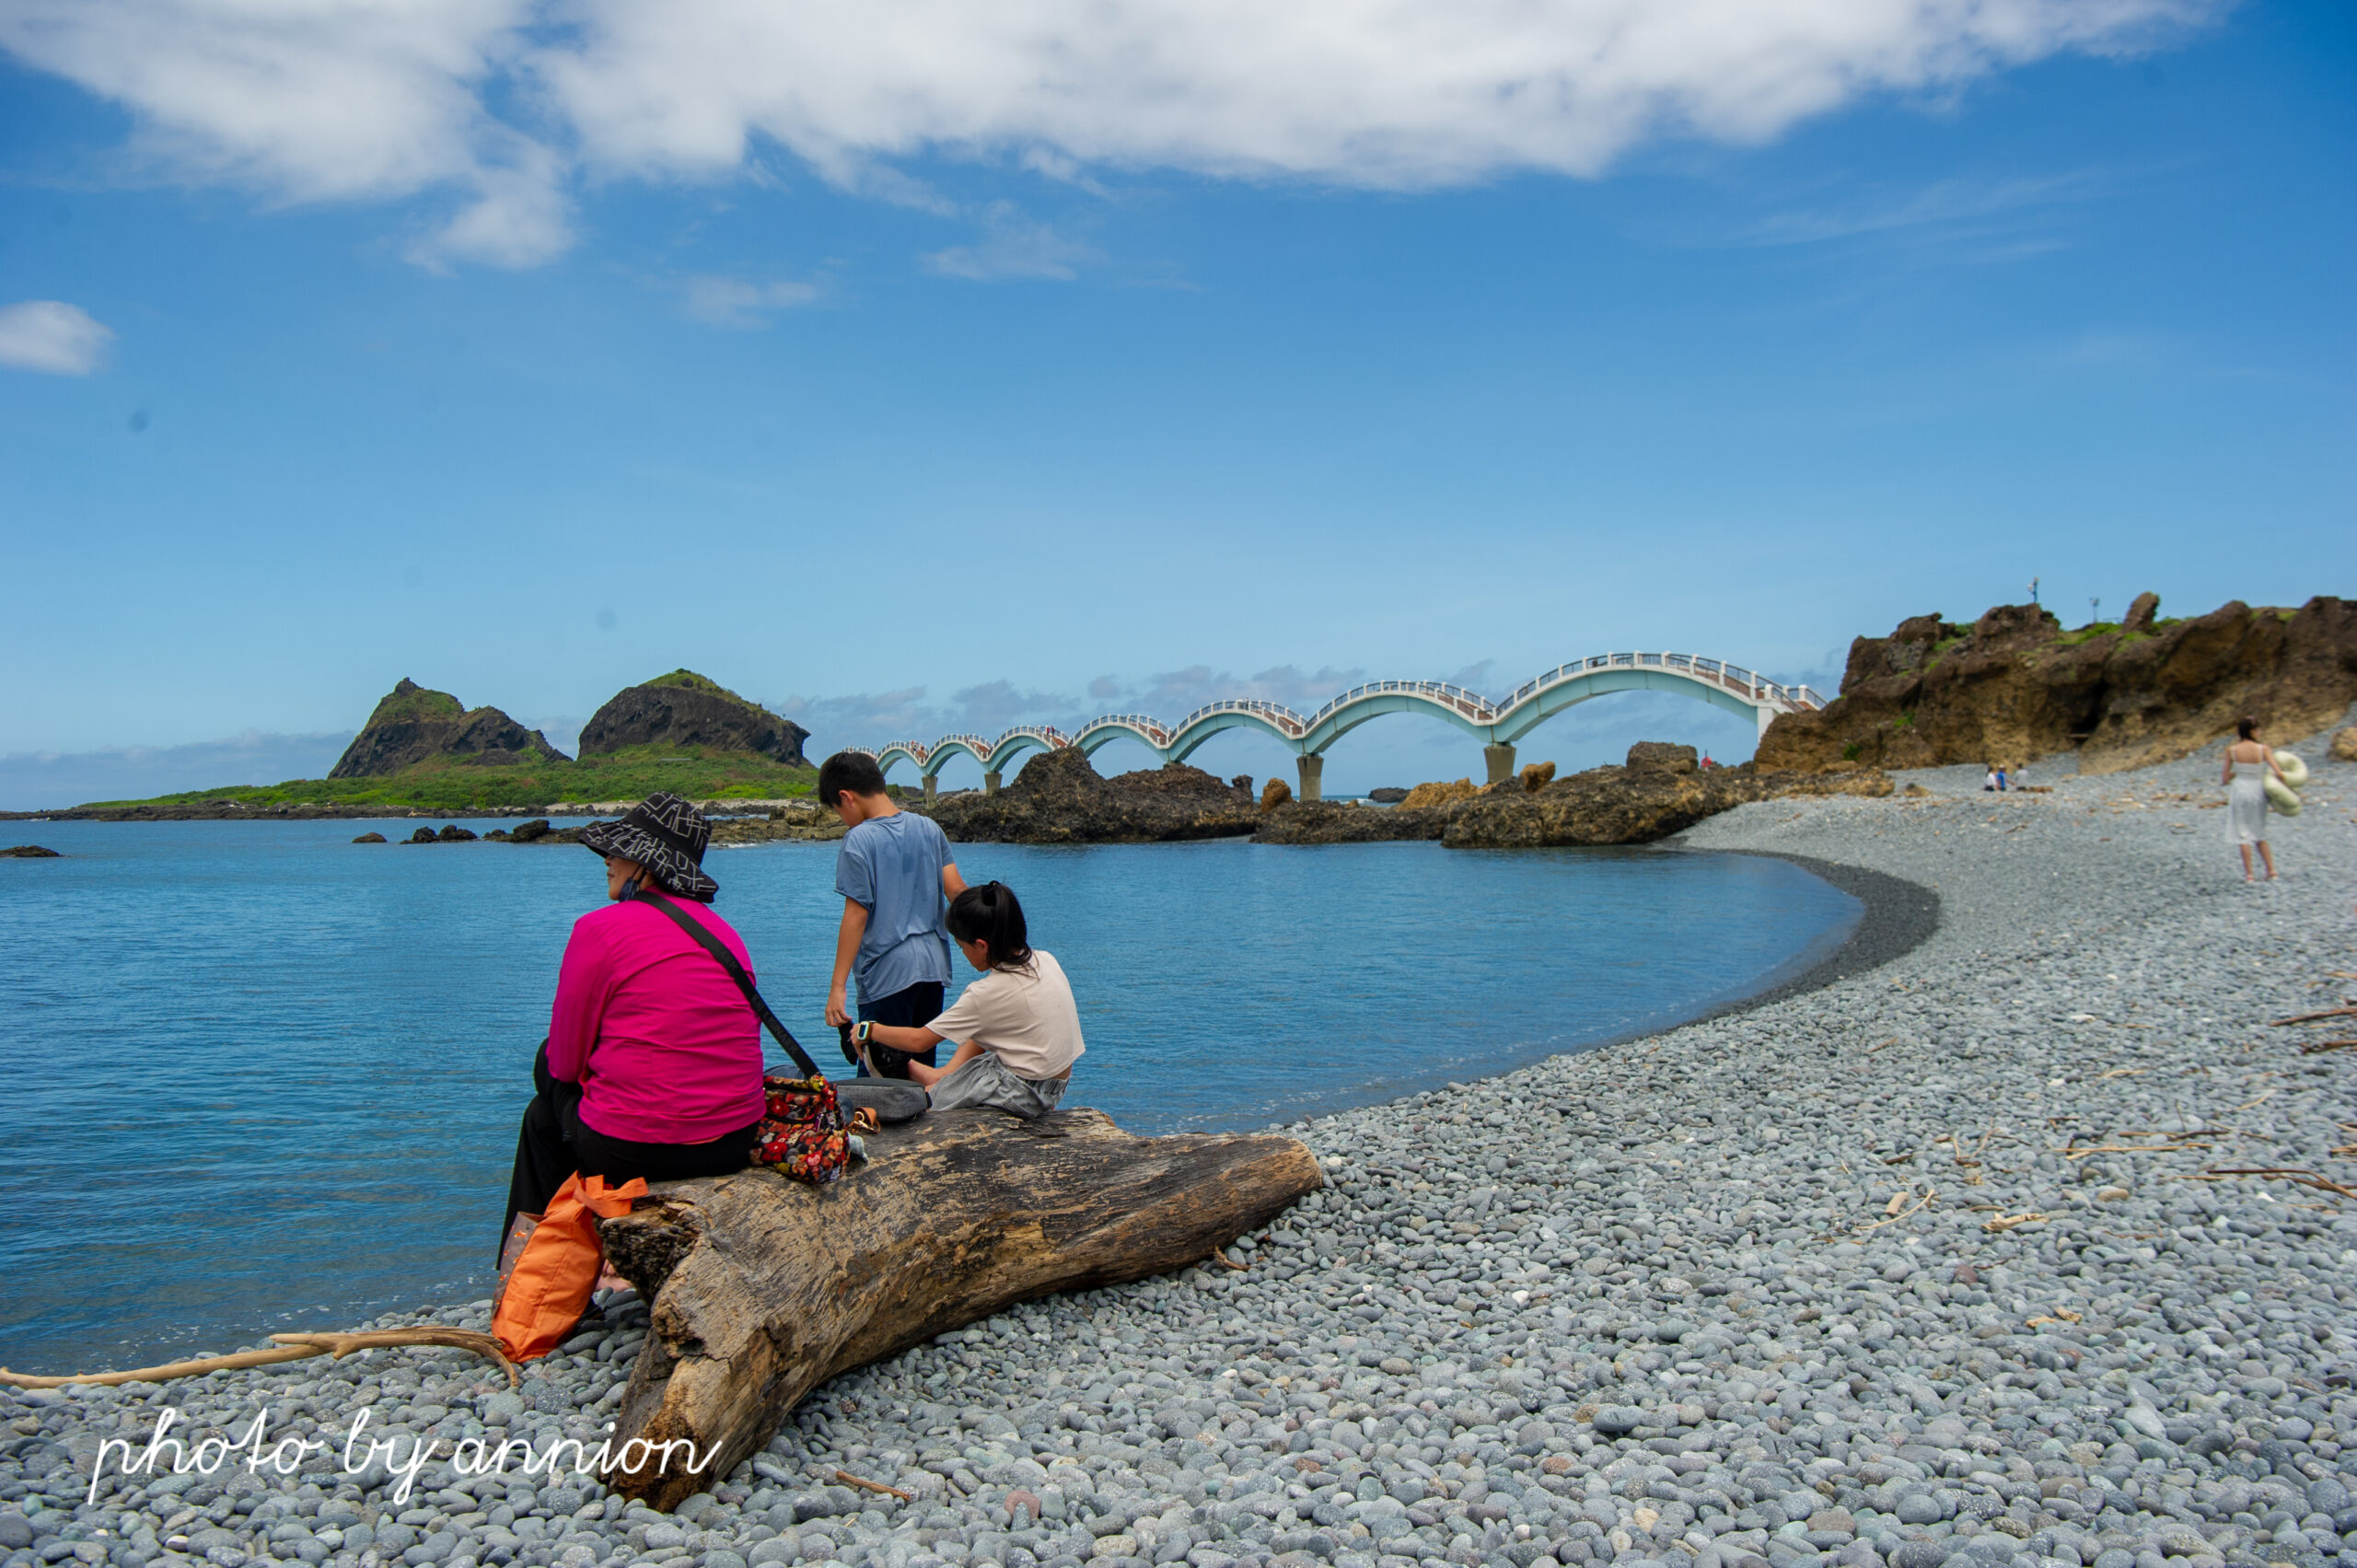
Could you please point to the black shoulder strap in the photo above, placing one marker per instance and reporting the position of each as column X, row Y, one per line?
column 719, row 949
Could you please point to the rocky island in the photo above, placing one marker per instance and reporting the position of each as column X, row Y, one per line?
column 423, row 752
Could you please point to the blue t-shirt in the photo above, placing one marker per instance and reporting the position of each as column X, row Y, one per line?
column 891, row 866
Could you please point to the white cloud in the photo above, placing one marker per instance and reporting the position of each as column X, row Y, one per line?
column 502, row 103
column 52, row 336
column 732, row 302
column 1013, row 246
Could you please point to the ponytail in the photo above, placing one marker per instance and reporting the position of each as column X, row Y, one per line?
column 990, row 915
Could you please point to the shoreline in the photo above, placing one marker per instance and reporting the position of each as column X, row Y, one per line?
column 1915, row 1260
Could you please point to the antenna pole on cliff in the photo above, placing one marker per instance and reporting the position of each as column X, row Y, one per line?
column 2032, row 591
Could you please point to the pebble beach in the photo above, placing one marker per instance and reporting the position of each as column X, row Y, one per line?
column 1952, row 1252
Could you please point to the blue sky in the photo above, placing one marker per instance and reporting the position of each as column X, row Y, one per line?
column 863, row 372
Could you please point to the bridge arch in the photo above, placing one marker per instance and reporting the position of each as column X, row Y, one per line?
column 901, row 750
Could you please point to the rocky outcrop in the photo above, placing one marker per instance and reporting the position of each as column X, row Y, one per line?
column 1662, row 757
column 1387, row 795
column 684, row 710
column 1059, row 798
column 1428, row 796
column 1275, row 793
column 2015, row 686
column 369, row 838
column 2344, row 746
column 1336, row 822
column 30, row 851
column 414, row 725
column 1657, row 793
column 1537, row 776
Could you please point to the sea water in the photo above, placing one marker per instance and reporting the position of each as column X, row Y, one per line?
column 260, row 1078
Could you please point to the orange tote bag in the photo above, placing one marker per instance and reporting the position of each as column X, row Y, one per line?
column 543, row 1299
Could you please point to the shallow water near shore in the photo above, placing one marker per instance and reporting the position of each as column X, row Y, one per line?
column 263, row 1079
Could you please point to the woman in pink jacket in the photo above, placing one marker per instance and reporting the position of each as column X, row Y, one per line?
column 653, row 1063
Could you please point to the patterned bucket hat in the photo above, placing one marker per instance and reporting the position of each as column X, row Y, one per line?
column 664, row 834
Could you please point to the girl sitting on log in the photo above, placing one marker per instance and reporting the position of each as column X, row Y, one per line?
column 1017, row 1029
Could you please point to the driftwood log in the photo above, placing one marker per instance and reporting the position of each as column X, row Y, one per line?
column 760, row 1288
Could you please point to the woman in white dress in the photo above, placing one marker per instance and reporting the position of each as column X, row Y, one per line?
column 2248, row 764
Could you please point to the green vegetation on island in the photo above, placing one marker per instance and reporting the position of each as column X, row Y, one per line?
column 424, row 750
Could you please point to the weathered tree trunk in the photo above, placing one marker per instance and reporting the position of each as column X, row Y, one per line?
column 761, row 1288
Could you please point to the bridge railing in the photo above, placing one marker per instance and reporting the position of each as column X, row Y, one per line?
column 1734, row 677
column 1151, row 728
column 1289, row 723
column 1047, row 734
column 917, row 749
column 1473, row 704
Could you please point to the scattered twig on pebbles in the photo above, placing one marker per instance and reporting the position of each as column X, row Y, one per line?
column 2282, row 1173
column 2317, row 1047
column 2001, row 1221
column 875, row 1486
column 2313, row 1017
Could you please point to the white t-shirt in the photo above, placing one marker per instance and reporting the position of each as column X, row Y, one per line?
column 1029, row 1019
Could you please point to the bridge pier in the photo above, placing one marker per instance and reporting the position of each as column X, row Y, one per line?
column 1313, row 772
column 1767, row 716
column 1501, row 763
column 931, row 786
column 989, row 784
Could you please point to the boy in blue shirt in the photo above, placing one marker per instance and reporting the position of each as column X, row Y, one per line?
column 896, row 879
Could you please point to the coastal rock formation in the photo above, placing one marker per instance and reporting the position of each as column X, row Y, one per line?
column 1335, row 822
column 1387, row 795
column 369, row 838
column 1059, row 798
column 803, row 822
column 1275, row 793
column 1425, row 796
column 2015, row 686
column 2344, row 746
column 414, row 723
column 30, row 851
column 1537, row 776
column 1662, row 757
column 1657, row 793
column 684, row 708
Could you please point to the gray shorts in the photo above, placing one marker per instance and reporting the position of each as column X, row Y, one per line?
column 988, row 1084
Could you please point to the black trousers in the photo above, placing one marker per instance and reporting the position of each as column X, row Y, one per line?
column 554, row 1142
column 909, row 1009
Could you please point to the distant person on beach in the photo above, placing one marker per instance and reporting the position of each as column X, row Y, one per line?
column 1989, row 781
column 1017, row 1027
column 896, row 876
column 2248, row 761
column 653, row 1063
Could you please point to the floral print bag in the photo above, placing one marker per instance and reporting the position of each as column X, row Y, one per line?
column 802, row 1132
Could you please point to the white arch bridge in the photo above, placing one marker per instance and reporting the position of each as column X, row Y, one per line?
column 1498, row 725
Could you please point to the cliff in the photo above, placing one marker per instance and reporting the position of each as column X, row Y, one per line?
column 2015, row 686
column 685, row 711
column 415, row 725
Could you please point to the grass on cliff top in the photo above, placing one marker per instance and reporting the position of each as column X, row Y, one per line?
column 704, row 683
column 456, row 786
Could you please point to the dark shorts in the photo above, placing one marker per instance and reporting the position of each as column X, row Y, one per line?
column 909, row 1009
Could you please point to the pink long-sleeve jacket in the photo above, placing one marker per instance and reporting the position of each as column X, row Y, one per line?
column 664, row 1046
